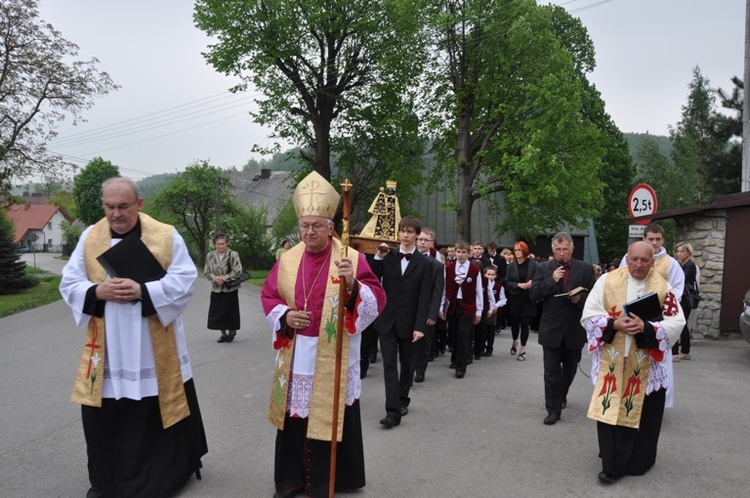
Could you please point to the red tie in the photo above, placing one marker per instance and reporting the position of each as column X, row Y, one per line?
column 402, row 256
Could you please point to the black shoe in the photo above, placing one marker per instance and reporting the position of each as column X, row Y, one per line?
column 390, row 421
column 418, row 377
column 223, row 338
column 362, row 374
column 487, row 353
column 606, row 478
column 452, row 365
column 231, row 335
column 373, row 358
column 289, row 493
column 404, row 410
column 551, row 419
column 477, row 356
column 470, row 361
column 564, row 404
column 460, row 375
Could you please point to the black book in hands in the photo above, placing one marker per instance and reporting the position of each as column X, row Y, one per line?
column 130, row 258
column 648, row 308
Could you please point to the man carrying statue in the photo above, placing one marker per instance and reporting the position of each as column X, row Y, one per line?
column 300, row 298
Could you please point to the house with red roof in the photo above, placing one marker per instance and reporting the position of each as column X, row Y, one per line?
column 38, row 227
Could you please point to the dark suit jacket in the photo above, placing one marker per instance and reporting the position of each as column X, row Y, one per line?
column 438, row 283
column 561, row 319
column 408, row 295
column 499, row 261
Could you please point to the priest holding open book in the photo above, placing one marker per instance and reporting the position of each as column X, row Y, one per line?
column 127, row 282
column 631, row 367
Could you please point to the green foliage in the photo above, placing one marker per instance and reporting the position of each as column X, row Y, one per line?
column 246, row 229
column 152, row 185
column 13, row 279
column 71, row 233
column 726, row 169
column 193, row 202
column 671, row 184
column 44, row 291
column 87, row 189
column 506, row 99
column 285, row 225
column 43, row 82
column 319, row 64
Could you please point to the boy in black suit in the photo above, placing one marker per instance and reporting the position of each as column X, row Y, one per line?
column 407, row 279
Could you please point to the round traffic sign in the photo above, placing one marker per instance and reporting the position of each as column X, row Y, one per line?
column 642, row 202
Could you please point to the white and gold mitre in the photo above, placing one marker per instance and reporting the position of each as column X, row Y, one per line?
column 314, row 196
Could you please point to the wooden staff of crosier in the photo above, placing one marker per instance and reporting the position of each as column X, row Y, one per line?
column 346, row 188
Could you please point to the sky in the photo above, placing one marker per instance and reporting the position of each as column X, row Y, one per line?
column 174, row 109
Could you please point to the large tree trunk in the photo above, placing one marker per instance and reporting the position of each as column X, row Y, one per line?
column 464, row 179
column 322, row 145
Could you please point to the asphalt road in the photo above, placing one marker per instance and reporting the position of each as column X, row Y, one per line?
column 481, row 436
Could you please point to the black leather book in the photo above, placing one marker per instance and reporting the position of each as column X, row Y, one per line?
column 647, row 308
column 130, row 258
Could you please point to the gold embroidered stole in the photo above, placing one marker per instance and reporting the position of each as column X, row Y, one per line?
column 621, row 383
column 87, row 388
column 661, row 265
column 321, row 404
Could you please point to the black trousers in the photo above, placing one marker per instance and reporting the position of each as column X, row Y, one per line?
column 626, row 451
column 423, row 349
column 520, row 323
column 367, row 347
column 560, row 365
column 396, row 350
column 460, row 326
column 304, row 464
column 480, row 337
column 684, row 342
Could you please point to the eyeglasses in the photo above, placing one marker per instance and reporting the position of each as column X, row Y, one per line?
column 120, row 207
column 315, row 227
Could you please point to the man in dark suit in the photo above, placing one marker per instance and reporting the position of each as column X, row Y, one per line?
column 561, row 335
column 424, row 348
column 492, row 257
column 407, row 279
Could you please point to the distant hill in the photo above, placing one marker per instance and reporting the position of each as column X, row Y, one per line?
column 634, row 139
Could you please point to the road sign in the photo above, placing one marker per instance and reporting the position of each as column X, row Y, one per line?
column 642, row 202
column 636, row 231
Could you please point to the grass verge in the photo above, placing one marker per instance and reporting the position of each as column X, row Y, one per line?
column 44, row 292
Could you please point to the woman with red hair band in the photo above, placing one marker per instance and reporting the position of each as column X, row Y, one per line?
column 521, row 309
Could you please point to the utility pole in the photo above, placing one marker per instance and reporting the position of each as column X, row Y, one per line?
column 745, row 180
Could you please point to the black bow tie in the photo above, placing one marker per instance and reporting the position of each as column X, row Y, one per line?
column 402, row 256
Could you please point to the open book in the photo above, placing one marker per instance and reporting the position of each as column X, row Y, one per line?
column 573, row 292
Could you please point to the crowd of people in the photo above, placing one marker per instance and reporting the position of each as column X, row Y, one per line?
column 417, row 302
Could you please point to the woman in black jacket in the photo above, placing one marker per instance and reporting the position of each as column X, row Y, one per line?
column 521, row 309
column 684, row 253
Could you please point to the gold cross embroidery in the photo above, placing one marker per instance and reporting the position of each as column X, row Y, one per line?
column 309, row 188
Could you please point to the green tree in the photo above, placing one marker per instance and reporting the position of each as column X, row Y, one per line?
column 727, row 168
column 247, row 235
column 193, row 202
column 667, row 180
column 285, row 225
column 505, row 102
column 42, row 81
column 696, row 146
column 13, row 279
column 87, row 189
column 71, row 233
column 320, row 64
